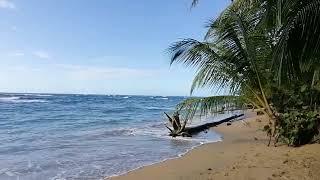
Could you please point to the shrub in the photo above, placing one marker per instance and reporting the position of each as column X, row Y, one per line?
column 297, row 128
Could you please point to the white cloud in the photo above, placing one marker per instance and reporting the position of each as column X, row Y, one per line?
column 80, row 72
column 72, row 78
column 7, row 4
column 16, row 54
column 41, row 54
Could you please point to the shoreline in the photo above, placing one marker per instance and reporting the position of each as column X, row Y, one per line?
column 178, row 155
column 221, row 134
column 241, row 154
column 165, row 159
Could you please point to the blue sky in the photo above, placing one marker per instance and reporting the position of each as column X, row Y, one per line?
column 98, row 46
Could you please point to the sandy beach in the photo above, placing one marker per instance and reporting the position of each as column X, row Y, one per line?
column 243, row 154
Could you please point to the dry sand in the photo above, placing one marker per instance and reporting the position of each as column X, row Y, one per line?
column 242, row 154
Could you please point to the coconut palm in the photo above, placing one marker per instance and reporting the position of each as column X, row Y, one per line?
column 232, row 56
column 297, row 53
column 263, row 52
column 294, row 28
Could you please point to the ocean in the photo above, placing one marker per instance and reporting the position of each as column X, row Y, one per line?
column 51, row 136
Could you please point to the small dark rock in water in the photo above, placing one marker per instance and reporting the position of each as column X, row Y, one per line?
column 285, row 161
column 228, row 124
column 209, row 169
column 255, row 138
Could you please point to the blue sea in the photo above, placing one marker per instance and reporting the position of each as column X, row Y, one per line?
column 51, row 136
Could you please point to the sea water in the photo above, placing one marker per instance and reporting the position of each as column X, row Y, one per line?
column 50, row 136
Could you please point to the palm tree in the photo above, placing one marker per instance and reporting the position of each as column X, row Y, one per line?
column 263, row 52
column 233, row 56
column 294, row 28
column 298, row 47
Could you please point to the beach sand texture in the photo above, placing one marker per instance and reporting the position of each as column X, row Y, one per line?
column 242, row 155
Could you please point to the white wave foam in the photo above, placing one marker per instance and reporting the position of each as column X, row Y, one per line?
column 3, row 170
column 9, row 98
column 126, row 97
column 163, row 134
column 15, row 99
column 31, row 101
column 26, row 94
column 37, row 95
column 43, row 95
column 157, row 108
column 120, row 131
column 9, row 173
column 154, row 132
column 164, row 98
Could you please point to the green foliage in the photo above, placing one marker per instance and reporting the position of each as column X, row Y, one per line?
column 266, row 53
column 296, row 96
column 298, row 119
column 297, row 27
column 209, row 105
column 233, row 56
column 298, row 128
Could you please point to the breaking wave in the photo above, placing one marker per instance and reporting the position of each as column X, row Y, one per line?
column 16, row 99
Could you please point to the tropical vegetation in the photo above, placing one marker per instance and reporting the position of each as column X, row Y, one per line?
column 266, row 53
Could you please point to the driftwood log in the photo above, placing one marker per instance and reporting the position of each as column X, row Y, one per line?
column 180, row 129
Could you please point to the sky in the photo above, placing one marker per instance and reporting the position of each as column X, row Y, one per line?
column 98, row 46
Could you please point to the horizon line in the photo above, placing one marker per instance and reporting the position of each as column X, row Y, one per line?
column 97, row 94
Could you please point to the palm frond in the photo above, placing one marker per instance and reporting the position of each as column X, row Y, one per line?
column 191, row 52
column 194, row 3
column 232, row 56
column 298, row 47
column 208, row 105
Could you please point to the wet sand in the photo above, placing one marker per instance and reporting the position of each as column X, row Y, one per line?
column 243, row 154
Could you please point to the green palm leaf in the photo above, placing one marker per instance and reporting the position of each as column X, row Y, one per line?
column 298, row 48
column 209, row 105
column 232, row 56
